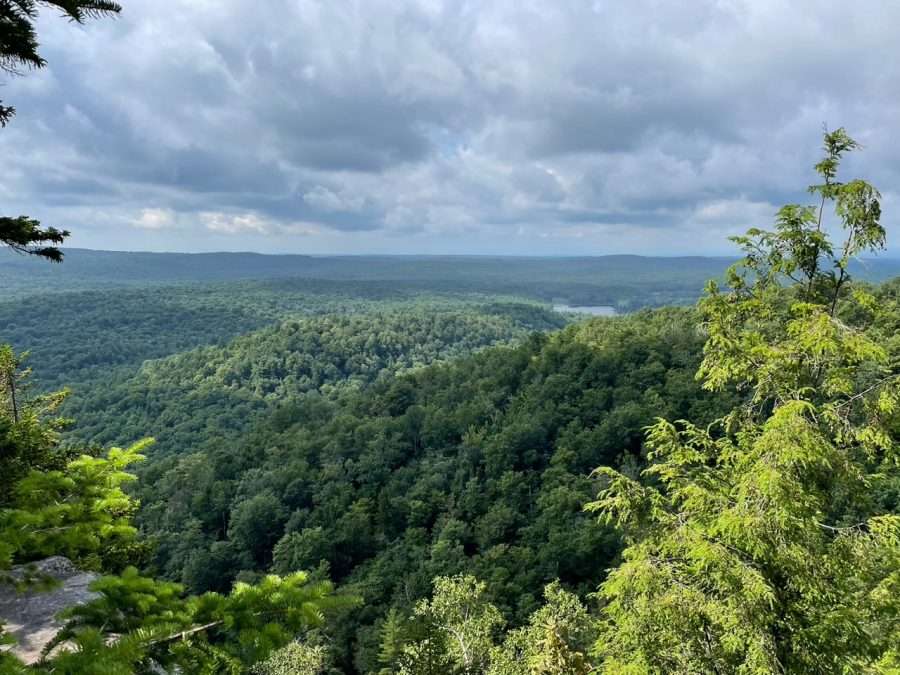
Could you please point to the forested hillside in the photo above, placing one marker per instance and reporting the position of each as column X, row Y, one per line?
column 373, row 440
column 77, row 337
column 194, row 399
column 478, row 466
column 626, row 281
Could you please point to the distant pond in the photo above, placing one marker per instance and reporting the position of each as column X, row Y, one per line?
column 593, row 310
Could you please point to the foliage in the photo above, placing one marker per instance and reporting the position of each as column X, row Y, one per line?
column 458, row 631
column 555, row 641
column 86, row 339
column 295, row 658
column 25, row 235
column 19, row 49
column 142, row 624
column 754, row 545
column 29, row 426
column 452, row 632
column 306, row 354
column 180, row 399
column 462, row 621
column 476, row 466
column 57, row 500
column 80, row 512
column 137, row 624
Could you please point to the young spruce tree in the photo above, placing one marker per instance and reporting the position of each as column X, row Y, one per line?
column 753, row 545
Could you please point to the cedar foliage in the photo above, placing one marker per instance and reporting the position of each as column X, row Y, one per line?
column 754, row 544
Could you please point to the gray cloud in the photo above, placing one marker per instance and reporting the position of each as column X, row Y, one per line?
column 437, row 125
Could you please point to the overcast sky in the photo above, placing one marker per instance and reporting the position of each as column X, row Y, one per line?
column 551, row 127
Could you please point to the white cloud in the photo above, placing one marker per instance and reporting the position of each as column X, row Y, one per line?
column 735, row 212
column 154, row 219
column 235, row 223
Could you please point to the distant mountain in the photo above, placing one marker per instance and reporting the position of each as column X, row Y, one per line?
column 92, row 268
column 625, row 281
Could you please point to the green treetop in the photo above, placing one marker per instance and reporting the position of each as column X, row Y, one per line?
column 753, row 545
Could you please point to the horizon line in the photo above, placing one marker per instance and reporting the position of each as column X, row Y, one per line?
column 65, row 249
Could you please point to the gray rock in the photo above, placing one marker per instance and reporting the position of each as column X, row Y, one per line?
column 31, row 616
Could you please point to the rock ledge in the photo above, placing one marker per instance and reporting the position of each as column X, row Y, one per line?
column 31, row 616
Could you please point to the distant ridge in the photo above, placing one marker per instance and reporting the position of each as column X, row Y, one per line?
column 91, row 268
column 591, row 280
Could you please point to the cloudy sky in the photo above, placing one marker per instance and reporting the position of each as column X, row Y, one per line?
column 517, row 127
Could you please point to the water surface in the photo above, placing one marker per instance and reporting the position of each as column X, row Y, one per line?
column 590, row 310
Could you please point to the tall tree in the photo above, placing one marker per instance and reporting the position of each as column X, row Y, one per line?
column 19, row 52
column 753, row 545
column 554, row 642
column 454, row 631
column 29, row 425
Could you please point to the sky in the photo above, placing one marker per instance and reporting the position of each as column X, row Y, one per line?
column 513, row 127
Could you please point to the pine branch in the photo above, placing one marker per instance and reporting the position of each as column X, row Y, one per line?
column 79, row 10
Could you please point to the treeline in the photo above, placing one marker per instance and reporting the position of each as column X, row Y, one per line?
column 626, row 281
column 195, row 399
column 77, row 339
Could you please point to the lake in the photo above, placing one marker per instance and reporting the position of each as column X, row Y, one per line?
column 591, row 310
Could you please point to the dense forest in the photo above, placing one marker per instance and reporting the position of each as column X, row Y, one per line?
column 628, row 282
column 416, row 466
column 77, row 336
column 181, row 399
column 478, row 466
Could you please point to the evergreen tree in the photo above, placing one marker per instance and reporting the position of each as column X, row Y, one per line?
column 394, row 637
column 18, row 51
column 754, row 544
column 29, row 425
